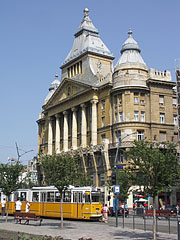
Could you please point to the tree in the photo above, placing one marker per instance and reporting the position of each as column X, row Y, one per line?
column 155, row 167
column 123, row 179
column 9, row 179
column 62, row 171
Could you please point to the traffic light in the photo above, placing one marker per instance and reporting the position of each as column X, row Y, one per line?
column 113, row 178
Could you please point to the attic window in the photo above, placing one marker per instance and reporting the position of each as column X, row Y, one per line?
column 75, row 69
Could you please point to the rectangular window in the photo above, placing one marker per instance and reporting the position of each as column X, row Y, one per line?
column 121, row 116
column 120, row 99
column 174, row 102
column 57, row 197
column 103, row 104
column 102, row 180
column 161, row 100
column 23, row 196
column 136, row 97
column 66, row 196
column 175, row 120
column 140, row 135
column 136, row 115
column 142, row 116
column 50, row 196
column 162, row 136
column 35, row 196
column 142, row 98
column 116, row 117
column 115, row 101
column 103, row 137
column 162, row 117
column 103, row 121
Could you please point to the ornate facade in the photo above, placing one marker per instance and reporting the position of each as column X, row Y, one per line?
column 94, row 103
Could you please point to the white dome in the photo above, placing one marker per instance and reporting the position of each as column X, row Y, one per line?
column 54, row 85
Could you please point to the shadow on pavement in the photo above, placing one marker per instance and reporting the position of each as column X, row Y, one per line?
column 133, row 235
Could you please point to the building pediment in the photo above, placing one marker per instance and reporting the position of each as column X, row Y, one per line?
column 67, row 90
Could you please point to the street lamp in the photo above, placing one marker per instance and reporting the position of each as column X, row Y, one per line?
column 24, row 152
column 115, row 166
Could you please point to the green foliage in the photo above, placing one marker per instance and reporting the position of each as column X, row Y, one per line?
column 123, row 179
column 155, row 167
column 26, row 236
column 62, row 171
column 9, row 177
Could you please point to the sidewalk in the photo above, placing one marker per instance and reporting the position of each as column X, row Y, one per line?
column 74, row 230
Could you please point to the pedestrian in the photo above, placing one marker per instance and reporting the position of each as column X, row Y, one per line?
column 105, row 213
column 18, row 205
column 177, row 210
column 27, row 210
column 3, row 207
column 27, row 206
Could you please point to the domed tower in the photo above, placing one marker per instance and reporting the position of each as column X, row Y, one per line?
column 130, row 68
column 54, row 85
column 89, row 61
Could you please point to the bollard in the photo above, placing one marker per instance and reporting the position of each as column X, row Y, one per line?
column 178, row 229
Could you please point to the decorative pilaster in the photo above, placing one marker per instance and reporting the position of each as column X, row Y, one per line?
column 94, row 123
column 74, row 128
column 65, row 137
column 83, row 126
column 57, row 142
column 50, row 136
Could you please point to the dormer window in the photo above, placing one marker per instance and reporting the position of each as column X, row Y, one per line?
column 75, row 69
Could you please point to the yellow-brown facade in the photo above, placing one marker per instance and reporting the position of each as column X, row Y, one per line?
column 94, row 103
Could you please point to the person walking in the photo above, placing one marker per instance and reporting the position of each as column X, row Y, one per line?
column 3, row 207
column 18, row 205
column 177, row 210
column 105, row 213
column 27, row 210
column 27, row 206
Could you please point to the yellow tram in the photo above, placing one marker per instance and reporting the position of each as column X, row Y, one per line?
column 78, row 202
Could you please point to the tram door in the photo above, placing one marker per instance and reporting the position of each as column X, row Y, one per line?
column 43, row 203
column 77, row 204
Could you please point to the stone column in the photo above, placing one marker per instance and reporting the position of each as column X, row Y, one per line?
column 57, row 142
column 74, row 128
column 83, row 126
column 65, row 137
column 50, row 136
column 94, row 123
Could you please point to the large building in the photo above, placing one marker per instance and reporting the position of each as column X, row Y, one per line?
column 95, row 103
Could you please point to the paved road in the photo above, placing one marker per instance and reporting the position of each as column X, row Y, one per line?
column 74, row 230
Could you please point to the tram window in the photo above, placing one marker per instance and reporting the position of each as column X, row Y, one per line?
column 57, row 197
column 80, row 197
column 35, row 196
column 23, row 196
column 16, row 195
column 11, row 198
column 67, row 196
column 74, row 196
column 95, row 196
column 50, row 196
column 87, row 197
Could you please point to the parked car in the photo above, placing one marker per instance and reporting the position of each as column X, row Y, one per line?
column 120, row 212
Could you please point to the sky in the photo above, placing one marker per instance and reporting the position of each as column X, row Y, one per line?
column 37, row 35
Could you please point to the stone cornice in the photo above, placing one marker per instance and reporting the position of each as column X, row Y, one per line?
column 159, row 82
